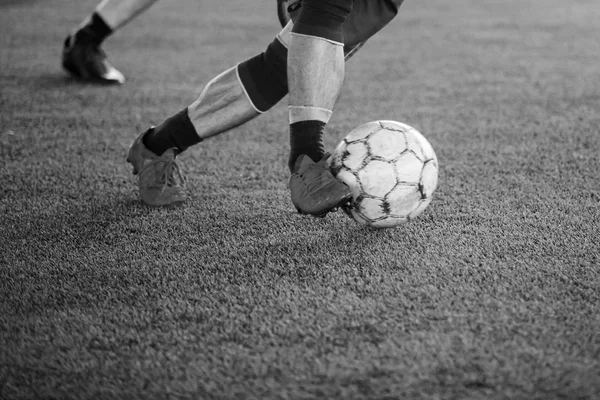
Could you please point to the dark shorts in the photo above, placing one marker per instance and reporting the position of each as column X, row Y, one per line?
column 366, row 18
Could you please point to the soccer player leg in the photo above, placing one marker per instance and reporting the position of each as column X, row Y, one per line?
column 117, row 13
column 232, row 98
column 82, row 56
column 243, row 92
column 315, row 78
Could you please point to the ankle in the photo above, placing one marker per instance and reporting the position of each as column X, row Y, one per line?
column 176, row 132
column 306, row 137
column 94, row 31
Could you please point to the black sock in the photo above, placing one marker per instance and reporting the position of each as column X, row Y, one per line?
column 176, row 132
column 95, row 31
column 306, row 137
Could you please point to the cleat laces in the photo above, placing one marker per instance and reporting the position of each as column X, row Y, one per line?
column 170, row 175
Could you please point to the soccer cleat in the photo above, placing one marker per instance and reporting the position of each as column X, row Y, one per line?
column 159, row 178
column 88, row 61
column 314, row 189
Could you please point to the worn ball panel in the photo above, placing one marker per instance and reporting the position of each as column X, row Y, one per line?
column 394, row 125
column 408, row 168
column 371, row 209
column 426, row 147
column 414, row 144
column 386, row 144
column 389, row 222
column 347, row 177
column 377, row 178
column 335, row 161
column 362, row 131
column 429, row 178
column 403, row 200
column 420, row 208
column 354, row 155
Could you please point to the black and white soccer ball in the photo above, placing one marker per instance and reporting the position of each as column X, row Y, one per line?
column 391, row 170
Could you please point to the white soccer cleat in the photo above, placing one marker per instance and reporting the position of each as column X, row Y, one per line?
column 88, row 61
column 160, row 180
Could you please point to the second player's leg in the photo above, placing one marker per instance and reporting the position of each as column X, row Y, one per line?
column 117, row 13
column 82, row 56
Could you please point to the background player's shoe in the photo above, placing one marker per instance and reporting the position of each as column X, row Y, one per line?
column 88, row 61
column 314, row 189
column 159, row 178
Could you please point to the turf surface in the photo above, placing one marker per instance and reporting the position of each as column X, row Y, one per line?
column 492, row 293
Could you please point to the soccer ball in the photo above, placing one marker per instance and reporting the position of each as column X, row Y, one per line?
column 391, row 170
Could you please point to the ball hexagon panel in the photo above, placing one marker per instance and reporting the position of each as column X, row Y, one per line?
column 403, row 200
column 371, row 209
column 394, row 125
column 409, row 167
column 414, row 144
column 428, row 152
column 354, row 155
column 347, row 177
column 386, row 144
column 429, row 178
column 377, row 178
column 362, row 131
column 420, row 208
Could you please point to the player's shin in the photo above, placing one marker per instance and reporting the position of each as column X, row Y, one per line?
column 234, row 97
column 241, row 93
column 316, row 74
column 222, row 105
column 117, row 13
column 315, row 77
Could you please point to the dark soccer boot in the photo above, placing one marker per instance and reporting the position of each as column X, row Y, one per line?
column 159, row 179
column 314, row 189
column 88, row 61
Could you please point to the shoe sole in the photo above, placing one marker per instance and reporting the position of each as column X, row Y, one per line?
column 75, row 72
column 341, row 204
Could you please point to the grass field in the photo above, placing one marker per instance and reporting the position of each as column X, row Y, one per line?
column 493, row 293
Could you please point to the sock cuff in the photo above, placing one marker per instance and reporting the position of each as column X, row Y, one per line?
column 95, row 30
column 185, row 131
column 309, row 113
column 306, row 137
column 330, row 41
column 101, row 25
column 175, row 132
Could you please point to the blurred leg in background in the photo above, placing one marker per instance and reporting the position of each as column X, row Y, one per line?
column 82, row 55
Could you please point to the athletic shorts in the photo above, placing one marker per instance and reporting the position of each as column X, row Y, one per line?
column 366, row 18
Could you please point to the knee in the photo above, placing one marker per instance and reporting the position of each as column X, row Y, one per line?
column 264, row 77
column 323, row 18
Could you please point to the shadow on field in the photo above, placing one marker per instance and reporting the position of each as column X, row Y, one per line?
column 87, row 223
column 74, row 251
column 83, row 250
